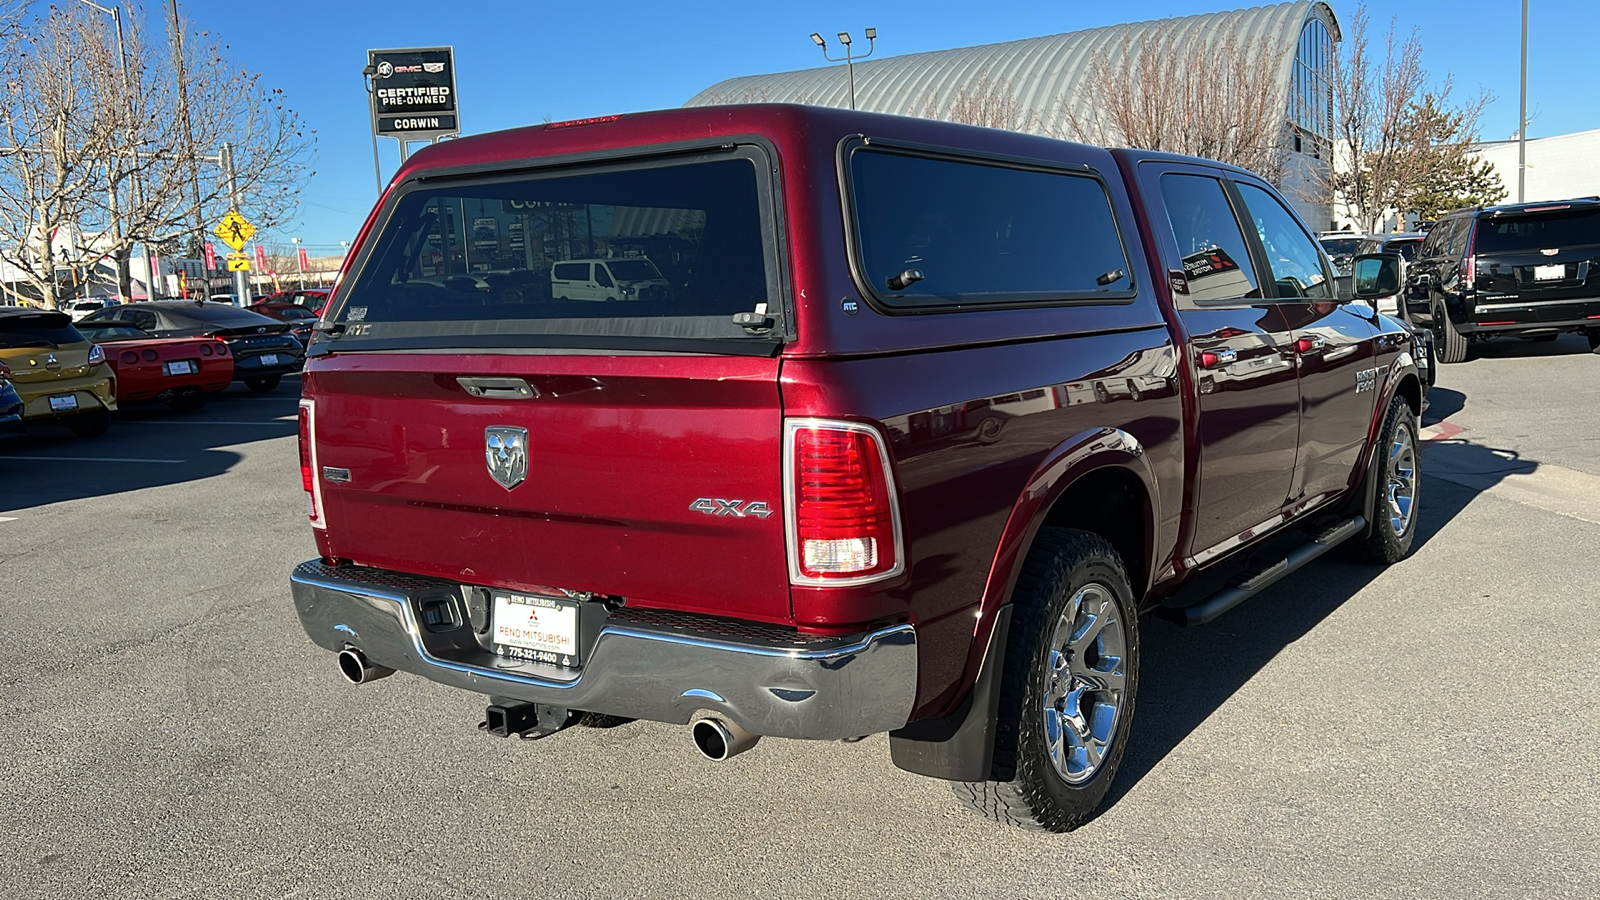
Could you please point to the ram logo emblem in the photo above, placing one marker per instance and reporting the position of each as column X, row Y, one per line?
column 505, row 449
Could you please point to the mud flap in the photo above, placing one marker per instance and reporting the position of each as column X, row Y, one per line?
column 960, row 746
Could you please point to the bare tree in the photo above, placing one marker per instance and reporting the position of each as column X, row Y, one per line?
column 986, row 102
column 1393, row 139
column 79, row 138
column 1159, row 91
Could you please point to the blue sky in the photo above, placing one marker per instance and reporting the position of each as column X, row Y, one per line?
column 521, row 62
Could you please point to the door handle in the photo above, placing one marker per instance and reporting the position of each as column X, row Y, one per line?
column 497, row 388
column 1216, row 359
column 1310, row 343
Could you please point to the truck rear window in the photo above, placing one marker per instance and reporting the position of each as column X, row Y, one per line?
column 980, row 234
column 590, row 257
column 1542, row 231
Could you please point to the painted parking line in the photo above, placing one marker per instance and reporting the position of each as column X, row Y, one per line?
column 114, row 459
column 8, row 518
column 1443, row 431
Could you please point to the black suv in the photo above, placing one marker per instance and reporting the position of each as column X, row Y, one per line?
column 1529, row 270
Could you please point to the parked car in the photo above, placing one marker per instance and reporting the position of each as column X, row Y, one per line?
column 61, row 377
column 310, row 298
column 262, row 348
column 608, row 279
column 82, row 308
column 176, row 371
column 912, row 464
column 1528, row 270
column 301, row 320
column 1402, row 244
column 10, row 406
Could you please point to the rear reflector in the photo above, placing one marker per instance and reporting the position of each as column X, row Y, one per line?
column 842, row 516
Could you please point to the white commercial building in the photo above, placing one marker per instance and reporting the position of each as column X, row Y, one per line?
column 1559, row 167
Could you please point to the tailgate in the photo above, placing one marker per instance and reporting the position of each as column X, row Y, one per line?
column 640, row 477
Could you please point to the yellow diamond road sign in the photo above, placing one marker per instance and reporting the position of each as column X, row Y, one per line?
column 234, row 230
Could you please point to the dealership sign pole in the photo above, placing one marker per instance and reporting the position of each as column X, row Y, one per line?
column 412, row 96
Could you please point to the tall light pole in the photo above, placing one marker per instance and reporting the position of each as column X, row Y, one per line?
column 849, row 59
column 1522, row 113
column 298, row 265
column 115, row 12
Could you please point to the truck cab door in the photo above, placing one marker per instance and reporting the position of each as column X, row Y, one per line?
column 1334, row 348
column 1238, row 348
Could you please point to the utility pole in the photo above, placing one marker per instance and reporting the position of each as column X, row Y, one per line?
column 241, row 279
column 1522, row 115
column 299, row 266
column 188, row 136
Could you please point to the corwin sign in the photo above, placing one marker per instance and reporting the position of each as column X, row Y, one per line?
column 413, row 92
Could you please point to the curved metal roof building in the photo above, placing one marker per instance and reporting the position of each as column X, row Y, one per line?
column 1041, row 72
column 1045, row 79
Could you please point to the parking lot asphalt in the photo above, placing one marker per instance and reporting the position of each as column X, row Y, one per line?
column 1428, row 730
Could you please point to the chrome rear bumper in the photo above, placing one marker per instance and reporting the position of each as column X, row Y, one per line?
column 660, row 667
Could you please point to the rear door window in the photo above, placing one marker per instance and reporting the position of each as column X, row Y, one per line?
column 446, row 271
column 935, row 232
column 1216, row 259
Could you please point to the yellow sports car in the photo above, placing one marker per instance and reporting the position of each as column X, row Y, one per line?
column 61, row 377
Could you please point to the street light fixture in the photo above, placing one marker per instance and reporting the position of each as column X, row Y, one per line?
column 849, row 57
column 299, row 266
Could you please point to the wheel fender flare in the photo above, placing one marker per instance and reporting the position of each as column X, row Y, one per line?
column 1365, row 500
column 959, row 746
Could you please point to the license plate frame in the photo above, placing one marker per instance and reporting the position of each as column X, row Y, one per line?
column 63, row 402
column 1556, row 272
column 179, row 367
column 536, row 628
column 268, row 359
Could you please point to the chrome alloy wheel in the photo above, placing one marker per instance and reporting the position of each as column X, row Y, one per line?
column 1400, row 484
column 1084, row 683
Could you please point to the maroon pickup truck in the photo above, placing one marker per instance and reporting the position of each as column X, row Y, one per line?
column 866, row 424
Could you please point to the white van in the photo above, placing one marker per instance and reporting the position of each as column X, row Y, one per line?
column 629, row 278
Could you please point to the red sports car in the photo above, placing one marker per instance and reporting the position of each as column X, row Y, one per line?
column 177, row 371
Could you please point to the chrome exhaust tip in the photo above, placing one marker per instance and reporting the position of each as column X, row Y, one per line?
column 357, row 669
column 718, row 739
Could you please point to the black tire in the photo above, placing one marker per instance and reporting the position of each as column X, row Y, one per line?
column 90, row 424
column 1449, row 342
column 261, row 384
column 1396, row 477
column 1065, row 572
column 1593, row 335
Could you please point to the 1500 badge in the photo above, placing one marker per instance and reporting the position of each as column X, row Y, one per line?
column 1366, row 380
column 713, row 506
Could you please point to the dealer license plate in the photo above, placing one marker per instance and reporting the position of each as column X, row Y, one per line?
column 63, row 402
column 179, row 367
column 1549, row 273
column 269, row 359
column 539, row 629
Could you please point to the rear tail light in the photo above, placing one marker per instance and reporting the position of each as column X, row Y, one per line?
column 221, row 348
column 205, row 349
column 96, row 355
column 308, row 464
column 130, row 357
column 1469, row 266
column 5, row 372
column 842, row 518
column 151, row 355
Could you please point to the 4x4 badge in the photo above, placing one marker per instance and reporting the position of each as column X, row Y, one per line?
column 505, row 449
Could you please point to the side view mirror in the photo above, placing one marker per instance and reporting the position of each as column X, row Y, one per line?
column 1374, row 275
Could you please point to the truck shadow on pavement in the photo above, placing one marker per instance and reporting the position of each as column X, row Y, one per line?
column 1186, row 674
column 146, row 446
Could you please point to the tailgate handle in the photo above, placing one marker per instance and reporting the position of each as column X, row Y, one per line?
column 497, row 388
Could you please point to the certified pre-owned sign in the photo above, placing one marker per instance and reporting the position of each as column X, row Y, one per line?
column 413, row 92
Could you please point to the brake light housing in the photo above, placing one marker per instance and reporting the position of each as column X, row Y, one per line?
column 308, row 464
column 841, row 509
